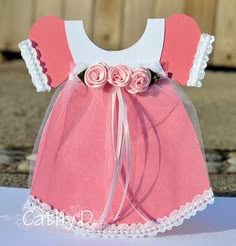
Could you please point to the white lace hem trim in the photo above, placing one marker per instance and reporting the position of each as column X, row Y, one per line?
column 29, row 54
column 204, row 49
column 150, row 228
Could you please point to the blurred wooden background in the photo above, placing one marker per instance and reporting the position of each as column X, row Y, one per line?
column 117, row 24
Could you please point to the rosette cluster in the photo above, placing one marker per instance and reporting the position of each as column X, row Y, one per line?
column 133, row 80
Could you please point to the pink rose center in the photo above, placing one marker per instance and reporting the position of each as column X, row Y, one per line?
column 119, row 75
column 97, row 75
column 140, row 80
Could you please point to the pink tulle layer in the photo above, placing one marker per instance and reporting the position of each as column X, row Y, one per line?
column 75, row 159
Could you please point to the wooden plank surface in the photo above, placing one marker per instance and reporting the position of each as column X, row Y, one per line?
column 225, row 26
column 203, row 12
column 107, row 23
column 15, row 23
column 164, row 9
column 118, row 24
column 135, row 17
column 48, row 7
column 80, row 10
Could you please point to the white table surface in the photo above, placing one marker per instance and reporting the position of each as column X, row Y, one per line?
column 214, row 226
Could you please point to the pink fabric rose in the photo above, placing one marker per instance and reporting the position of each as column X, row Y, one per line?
column 141, row 79
column 96, row 75
column 120, row 75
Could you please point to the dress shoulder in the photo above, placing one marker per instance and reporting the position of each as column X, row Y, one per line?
column 186, row 50
column 46, row 53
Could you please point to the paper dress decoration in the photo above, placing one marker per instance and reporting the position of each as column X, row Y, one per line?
column 119, row 152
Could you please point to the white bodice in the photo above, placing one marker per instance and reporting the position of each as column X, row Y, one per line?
column 145, row 52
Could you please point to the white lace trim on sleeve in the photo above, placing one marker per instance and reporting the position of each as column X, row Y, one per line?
column 204, row 49
column 29, row 54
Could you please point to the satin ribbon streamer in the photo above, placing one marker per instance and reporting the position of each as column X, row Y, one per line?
column 122, row 147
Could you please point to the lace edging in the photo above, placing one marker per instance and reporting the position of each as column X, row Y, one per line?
column 204, row 49
column 29, row 54
column 135, row 230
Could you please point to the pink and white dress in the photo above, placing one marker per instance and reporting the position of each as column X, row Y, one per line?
column 111, row 161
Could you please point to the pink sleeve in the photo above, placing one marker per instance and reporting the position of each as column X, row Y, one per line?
column 186, row 50
column 46, row 53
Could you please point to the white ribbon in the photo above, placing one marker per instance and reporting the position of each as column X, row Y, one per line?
column 122, row 147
